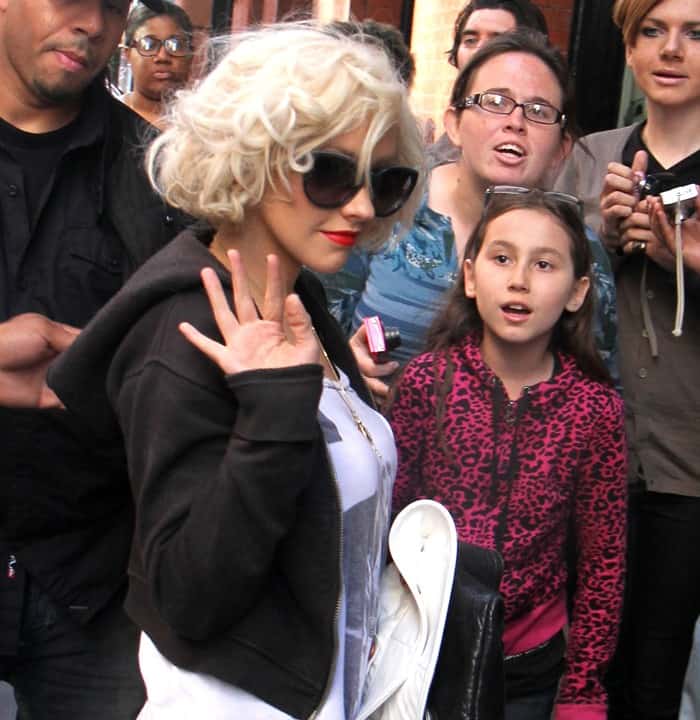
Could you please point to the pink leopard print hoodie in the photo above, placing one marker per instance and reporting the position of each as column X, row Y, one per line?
column 512, row 474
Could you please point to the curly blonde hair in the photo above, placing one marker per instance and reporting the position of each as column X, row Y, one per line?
column 628, row 16
column 279, row 93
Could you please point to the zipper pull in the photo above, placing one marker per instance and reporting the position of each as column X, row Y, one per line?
column 11, row 563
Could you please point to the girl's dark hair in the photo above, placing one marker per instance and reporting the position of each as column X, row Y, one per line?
column 526, row 14
column 522, row 40
column 573, row 334
column 142, row 14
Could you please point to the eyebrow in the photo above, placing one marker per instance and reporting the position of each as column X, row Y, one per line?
column 540, row 250
column 509, row 93
column 662, row 23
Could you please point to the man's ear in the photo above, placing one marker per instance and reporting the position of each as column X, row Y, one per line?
column 451, row 122
column 469, row 284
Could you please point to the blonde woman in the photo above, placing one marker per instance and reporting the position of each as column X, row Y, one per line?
column 261, row 474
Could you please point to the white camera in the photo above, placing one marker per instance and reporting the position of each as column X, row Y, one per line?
column 685, row 195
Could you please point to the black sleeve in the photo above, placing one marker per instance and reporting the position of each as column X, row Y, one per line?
column 216, row 469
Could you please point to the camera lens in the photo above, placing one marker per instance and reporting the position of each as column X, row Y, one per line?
column 656, row 184
column 392, row 338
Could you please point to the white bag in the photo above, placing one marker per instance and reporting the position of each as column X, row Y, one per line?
column 415, row 595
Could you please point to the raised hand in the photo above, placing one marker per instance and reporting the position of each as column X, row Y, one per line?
column 281, row 337
column 28, row 345
column 626, row 226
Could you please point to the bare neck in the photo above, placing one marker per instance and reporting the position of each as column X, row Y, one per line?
column 672, row 134
column 518, row 366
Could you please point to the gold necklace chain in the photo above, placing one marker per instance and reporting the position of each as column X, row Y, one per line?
column 357, row 420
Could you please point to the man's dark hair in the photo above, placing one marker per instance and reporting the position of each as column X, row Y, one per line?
column 526, row 14
column 390, row 39
column 142, row 14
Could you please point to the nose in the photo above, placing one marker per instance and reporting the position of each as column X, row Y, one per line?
column 516, row 120
column 518, row 279
column 672, row 43
column 360, row 207
column 90, row 18
column 162, row 55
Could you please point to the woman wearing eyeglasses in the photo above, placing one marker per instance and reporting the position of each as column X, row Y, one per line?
column 159, row 51
column 658, row 368
column 510, row 115
column 261, row 474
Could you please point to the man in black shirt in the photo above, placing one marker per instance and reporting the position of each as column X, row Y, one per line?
column 77, row 216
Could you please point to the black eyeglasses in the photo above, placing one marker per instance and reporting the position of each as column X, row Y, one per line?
column 515, row 190
column 175, row 45
column 332, row 182
column 493, row 102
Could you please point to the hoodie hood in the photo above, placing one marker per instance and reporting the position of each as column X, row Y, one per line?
column 467, row 358
column 79, row 376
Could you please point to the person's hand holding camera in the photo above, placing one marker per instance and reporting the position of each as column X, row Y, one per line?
column 625, row 225
column 371, row 370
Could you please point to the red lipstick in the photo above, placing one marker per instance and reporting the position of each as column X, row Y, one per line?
column 344, row 238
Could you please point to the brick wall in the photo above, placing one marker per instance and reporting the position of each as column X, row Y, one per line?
column 387, row 11
column 433, row 23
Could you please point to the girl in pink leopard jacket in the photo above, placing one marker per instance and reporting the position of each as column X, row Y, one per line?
column 511, row 422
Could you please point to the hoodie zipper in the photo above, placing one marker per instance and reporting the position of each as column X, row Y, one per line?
column 512, row 415
column 336, row 614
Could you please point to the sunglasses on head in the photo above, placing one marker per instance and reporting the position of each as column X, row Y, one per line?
column 515, row 190
column 332, row 182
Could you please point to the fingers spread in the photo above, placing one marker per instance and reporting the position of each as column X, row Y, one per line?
column 212, row 349
column 298, row 320
column 274, row 299
column 246, row 310
column 225, row 319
